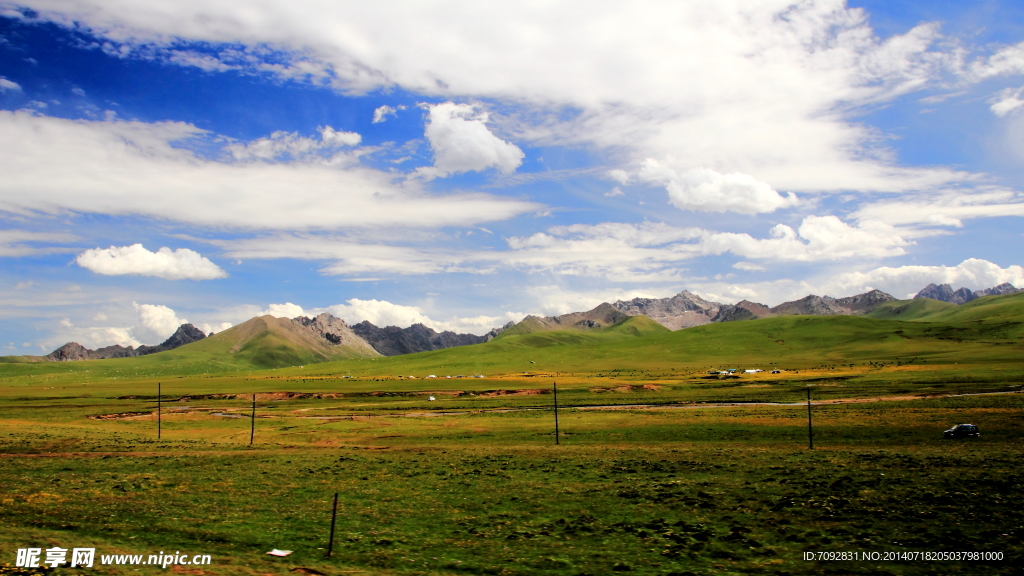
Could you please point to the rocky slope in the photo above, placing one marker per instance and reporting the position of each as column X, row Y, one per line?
column 392, row 340
column 684, row 310
column 945, row 293
column 72, row 351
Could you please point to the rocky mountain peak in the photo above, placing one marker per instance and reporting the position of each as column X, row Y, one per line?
column 945, row 293
column 69, row 352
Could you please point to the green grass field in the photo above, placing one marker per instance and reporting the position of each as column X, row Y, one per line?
column 662, row 467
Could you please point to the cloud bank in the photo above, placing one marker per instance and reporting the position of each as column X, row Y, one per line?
column 134, row 168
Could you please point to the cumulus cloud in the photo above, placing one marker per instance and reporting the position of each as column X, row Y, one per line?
column 120, row 168
column 707, row 190
column 461, row 142
column 179, row 264
column 818, row 238
column 6, row 85
column 156, row 322
column 286, row 310
column 1006, row 101
column 614, row 192
column 210, row 329
column 289, row 145
column 905, row 281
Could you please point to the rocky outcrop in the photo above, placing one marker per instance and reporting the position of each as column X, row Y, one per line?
column 742, row 310
column 684, row 310
column 864, row 303
column 495, row 331
column 393, row 341
column 185, row 334
column 334, row 330
column 69, row 352
column 1001, row 290
column 945, row 293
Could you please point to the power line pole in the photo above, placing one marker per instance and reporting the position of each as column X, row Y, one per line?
column 252, row 429
column 810, row 428
column 159, row 401
column 555, row 385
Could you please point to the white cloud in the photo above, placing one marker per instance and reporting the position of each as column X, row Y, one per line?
column 765, row 88
column 749, row 266
column 1008, row 60
column 819, row 238
column 118, row 168
column 91, row 337
column 623, row 252
column 620, row 176
column 614, row 192
column 6, row 85
column 707, row 190
column 382, row 313
column 381, row 113
column 461, row 142
column 209, row 329
column 1006, row 101
column 944, row 207
column 289, row 145
column 905, row 281
column 156, row 322
column 14, row 243
column 135, row 259
column 286, row 310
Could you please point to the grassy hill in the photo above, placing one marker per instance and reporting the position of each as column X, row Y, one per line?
column 915, row 309
column 261, row 343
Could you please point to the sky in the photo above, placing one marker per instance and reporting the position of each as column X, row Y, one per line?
column 463, row 164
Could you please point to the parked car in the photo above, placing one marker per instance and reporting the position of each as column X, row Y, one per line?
column 962, row 431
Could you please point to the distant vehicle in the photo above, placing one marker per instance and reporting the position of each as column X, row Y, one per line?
column 962, row 431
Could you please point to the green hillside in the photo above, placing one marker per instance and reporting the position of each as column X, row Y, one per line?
column 260, row 343
column 915, row 309
column 789, row 341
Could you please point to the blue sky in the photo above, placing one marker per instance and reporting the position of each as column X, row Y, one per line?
column 464, row 164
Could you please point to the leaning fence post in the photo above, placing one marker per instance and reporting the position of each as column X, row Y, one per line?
column 334, row 515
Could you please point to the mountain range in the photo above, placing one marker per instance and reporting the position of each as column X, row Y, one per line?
column 278, row 341
column 945, row 293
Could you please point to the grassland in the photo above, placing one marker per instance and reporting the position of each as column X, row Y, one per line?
column 662, row 467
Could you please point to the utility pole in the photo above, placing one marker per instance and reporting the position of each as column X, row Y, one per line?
column 810, row 429
column 159, row 401
column 252, row 429
column 555, row 385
